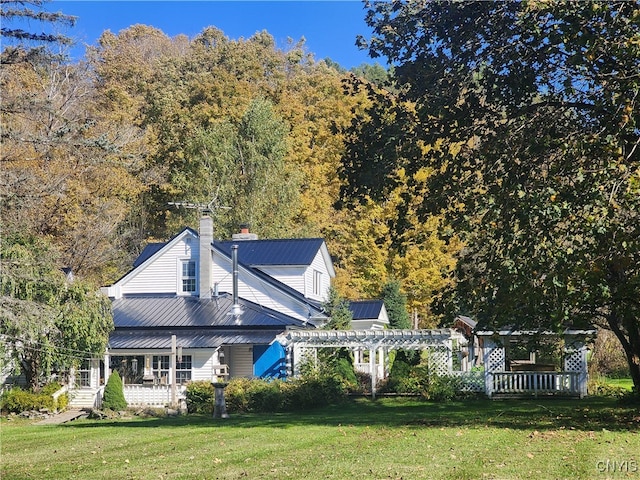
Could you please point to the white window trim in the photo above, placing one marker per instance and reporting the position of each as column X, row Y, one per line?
column 179, row 277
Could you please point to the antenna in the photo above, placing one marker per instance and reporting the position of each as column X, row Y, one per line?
column 203, row 207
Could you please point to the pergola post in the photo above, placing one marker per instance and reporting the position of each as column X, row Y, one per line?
column 372, row 370
column 575, row 361
column 494, row 361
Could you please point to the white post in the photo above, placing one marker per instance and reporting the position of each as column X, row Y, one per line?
column 372, row 371
column 172, row 374
column 107, row 370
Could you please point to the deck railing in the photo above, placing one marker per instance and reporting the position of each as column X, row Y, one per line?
column 151, row 395
column 527, row 383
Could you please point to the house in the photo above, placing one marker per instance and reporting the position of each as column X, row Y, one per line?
column 195, row 308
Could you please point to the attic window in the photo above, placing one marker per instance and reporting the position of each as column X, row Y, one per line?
column 187, row 246
column 188, row 276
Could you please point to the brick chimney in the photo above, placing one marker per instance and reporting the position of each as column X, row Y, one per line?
column 244, row 233
column 205, row 270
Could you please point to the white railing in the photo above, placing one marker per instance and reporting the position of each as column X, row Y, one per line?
column 472, row 381
column 366, row 368
column 151, row 395
column 526, row 383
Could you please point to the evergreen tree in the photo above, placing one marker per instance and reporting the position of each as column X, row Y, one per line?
column 114, row 393
column 396, row 304
column 337, row 308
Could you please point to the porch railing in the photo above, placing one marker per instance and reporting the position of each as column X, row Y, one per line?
column 527, row 383
column 151, row 395
column 366, row 368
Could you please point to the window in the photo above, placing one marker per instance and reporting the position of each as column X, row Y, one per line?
column 85, row 374
column 160, row 367
column 189, row 276
column 183, row 370
column 317, row 282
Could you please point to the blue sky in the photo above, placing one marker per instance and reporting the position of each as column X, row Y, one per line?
column 329, row 27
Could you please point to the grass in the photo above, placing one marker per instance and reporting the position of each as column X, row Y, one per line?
column 388, row 438
column 625, row 383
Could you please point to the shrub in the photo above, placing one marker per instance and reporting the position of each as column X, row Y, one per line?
column 17, row 400
column 598, row 386
column 200, row 397
column 441, row 389
column 63, row 401
column 114, row 393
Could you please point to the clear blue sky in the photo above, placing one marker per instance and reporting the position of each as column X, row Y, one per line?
column 329, row 27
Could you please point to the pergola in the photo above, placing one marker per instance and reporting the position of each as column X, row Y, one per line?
column 440, row 343
column 571, row 380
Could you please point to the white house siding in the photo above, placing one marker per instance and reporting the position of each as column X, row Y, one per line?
column 317, row 265
column 162, row 275
column 255, row 290
column 202, row 363
column 240, row 360
column 293, row 277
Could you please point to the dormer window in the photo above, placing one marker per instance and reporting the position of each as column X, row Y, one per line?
column 188, row 276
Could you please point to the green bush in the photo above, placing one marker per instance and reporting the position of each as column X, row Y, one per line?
column 441, row 389
column 63, row 402
column 200, row 397
column 51, row 388
column 17, row 400
column 114, row 393
column 243, row 395
column 598, row 386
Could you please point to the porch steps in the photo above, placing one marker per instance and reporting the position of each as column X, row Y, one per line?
column 64, row 417
column 83, row 398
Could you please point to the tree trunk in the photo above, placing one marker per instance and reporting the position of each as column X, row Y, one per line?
column 628, row 332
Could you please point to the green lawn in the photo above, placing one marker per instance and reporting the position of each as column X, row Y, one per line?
column 389, row 438
column 625, row 383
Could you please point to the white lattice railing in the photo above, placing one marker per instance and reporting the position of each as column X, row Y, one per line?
column 151, row 395
column 469, row 381
column 567, row 383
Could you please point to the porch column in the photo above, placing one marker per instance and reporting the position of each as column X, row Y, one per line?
column 107, row 370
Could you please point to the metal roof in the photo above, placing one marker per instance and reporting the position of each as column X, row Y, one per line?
column 184, row 312
column 286, row 251
column 147, row 252
column 365, row 309
column 140, row 339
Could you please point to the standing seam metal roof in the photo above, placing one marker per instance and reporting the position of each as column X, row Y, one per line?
column 161, row 312
column 286, row 251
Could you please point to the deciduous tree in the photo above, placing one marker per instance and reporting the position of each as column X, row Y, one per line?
column 47, row 322
column 527, row 113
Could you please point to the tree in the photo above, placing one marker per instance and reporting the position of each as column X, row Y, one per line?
column 46, row 321
column 16, row 38
column 338, row 311
column 527, row 115
column 114, row 393
column 396, row 304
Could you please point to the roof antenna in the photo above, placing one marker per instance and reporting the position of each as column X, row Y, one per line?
column 203, row 208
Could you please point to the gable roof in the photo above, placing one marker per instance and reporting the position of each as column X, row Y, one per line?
column 365, row 309
column 148, row 252
column 286, row 251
